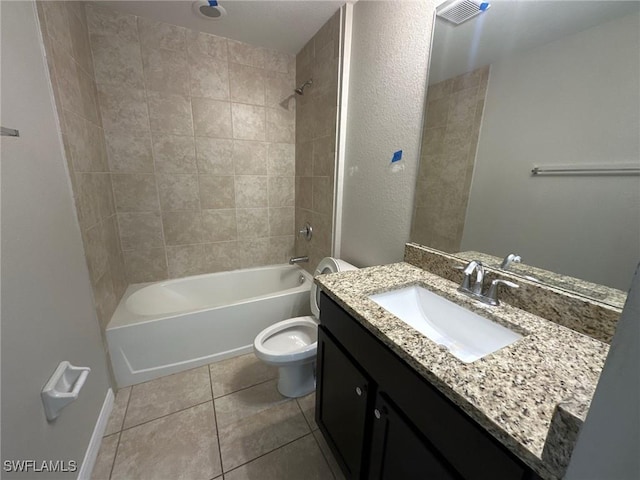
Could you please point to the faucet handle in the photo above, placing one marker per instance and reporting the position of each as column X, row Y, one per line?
column 306, row 232
column 479, row 285
column 472, row 266
column 492, row 296
column 466, row 270
column 509, row 259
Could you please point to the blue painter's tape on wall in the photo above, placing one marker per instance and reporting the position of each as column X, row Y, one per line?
column 397, row 156
column 213, row 3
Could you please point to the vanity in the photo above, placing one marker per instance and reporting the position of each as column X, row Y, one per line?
column 520, row 143
column 394, row 404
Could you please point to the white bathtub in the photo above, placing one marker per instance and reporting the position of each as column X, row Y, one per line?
column 174, row 325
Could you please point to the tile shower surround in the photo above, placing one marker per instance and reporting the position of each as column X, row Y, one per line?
column 66, row 40
column 158, row 194
column 449, row 143
column 316, row 140
column 200, row 134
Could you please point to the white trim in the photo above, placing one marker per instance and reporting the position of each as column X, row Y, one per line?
column 91, row 454
column 345, row 67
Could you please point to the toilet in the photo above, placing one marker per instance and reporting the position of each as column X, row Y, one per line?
column 291, row 344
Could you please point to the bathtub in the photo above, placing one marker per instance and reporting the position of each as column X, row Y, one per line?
column 174, row 325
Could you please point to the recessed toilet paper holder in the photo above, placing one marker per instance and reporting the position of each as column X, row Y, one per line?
column 62, row 388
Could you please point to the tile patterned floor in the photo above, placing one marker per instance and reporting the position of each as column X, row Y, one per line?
column 221, row 421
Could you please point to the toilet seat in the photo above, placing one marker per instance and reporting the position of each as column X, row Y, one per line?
column 326, row 265
column 288, row 341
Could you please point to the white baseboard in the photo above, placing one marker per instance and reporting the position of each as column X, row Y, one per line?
column 91, row 454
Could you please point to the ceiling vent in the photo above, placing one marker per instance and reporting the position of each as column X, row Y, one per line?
column 459, row 11
column 209, row 9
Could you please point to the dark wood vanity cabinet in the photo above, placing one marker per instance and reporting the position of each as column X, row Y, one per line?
column 399, row 450
column 384, row 421
column 344, row 404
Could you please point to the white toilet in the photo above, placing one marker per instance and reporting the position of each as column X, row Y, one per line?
column 291, row 344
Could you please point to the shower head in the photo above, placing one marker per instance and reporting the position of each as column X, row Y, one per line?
column 300, row 89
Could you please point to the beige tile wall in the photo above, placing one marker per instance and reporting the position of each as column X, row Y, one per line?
column 200, row 143
column 449, row 143
column 66, row 39
column 316, row 121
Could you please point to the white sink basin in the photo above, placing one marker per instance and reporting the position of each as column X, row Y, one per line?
column 466, row 335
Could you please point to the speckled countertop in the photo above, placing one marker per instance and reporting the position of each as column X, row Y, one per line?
column 602, row 293
column 513, row 393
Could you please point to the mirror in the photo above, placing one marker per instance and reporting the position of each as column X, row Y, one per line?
column 546, row 85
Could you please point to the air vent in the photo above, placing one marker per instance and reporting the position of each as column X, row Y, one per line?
column 459, row 11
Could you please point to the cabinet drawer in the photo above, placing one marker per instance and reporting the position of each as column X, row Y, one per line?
column 473, row 453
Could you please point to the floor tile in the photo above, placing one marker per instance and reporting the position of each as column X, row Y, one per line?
column 166, row 395
column 298, row 460
column 250, row 401
column 308, row 407
column 254, row 421
column 117, row 413
column 104, row 461
column 179, row 446
column 236, row 373
column 328, row 455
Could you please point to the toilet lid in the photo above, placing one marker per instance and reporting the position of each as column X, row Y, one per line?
column 326, row 265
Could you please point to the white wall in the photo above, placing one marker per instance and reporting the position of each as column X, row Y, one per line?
column 609, row 441
column 47, row 307
column 572, row 101
column 386, row 98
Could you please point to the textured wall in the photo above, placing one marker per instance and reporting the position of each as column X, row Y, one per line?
column 316, row 140
column 386, row 98
column 47, row 307
column 64, row 29
column 200, row 134
column 451, row 127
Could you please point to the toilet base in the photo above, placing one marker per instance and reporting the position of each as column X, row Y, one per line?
column 297, row 380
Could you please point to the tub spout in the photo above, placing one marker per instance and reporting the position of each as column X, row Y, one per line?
column 294, row 260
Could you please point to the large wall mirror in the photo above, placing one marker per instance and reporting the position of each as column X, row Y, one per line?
column 531, row 141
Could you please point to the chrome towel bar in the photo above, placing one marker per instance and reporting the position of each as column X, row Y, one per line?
column 577, row 170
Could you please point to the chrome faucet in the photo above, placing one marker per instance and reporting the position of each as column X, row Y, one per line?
column 294, row 260
column 476, row 290
column 466, row 282
column 509, row 259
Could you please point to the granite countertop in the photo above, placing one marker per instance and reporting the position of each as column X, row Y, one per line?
column 602, row 293
column 531, row 395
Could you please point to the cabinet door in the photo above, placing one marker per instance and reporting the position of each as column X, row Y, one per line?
column 341, row 404
column 399, row 450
